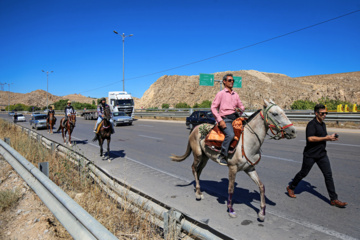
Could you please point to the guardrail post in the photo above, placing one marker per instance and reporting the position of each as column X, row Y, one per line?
column 44, row 168
column 52, row 147
column 38, row 138
column 171, row 228
column 7, row 140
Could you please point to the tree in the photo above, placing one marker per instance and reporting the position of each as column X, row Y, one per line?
column 165, row 106
column 182, row 105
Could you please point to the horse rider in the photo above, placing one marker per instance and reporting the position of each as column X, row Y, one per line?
column 15, row 117
column 225, row 107
column 68, row 110
column 100, row 110
column 48, row 114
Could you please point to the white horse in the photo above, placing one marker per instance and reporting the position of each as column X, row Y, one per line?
column 247, row 153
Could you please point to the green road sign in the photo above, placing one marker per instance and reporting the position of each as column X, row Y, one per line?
column 237, row 82
column 206, row 79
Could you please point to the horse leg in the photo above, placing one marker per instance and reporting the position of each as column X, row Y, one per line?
column 101, row 141
column 69, row 131
column 62, row 132
column 254, row 176
column 232, row 175
column 197, row 167
column 108, row 147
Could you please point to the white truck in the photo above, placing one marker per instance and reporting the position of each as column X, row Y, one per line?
column 120, row 101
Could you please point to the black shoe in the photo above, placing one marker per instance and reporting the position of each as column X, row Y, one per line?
column 222, row 160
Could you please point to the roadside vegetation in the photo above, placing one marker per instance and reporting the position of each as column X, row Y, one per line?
column 331, row 104
column 78, row 184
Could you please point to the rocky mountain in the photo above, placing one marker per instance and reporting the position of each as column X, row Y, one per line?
column 256, row 86
column 38, row 98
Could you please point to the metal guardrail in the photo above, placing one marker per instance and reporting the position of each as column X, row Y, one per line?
column 172, row 221
column 79, row 223
column 291, row 114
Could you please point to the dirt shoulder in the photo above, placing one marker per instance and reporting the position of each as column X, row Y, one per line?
column 28, row 218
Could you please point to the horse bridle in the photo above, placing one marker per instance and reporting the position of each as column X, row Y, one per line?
column 280, row 130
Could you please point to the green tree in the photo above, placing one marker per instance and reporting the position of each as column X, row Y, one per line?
column 93, row 102
column 182, row 105
column 165, row 106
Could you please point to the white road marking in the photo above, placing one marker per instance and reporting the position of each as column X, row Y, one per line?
column 282, row 159
column 144, row 125
column 341, row 144
column 314, row 227
column 150, row 137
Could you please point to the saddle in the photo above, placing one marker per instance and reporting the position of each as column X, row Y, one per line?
column 101, row 126
column 215, row 137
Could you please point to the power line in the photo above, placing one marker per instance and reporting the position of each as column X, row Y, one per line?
column 235, row 50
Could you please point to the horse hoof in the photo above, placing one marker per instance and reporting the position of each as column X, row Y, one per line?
column 199, row 197
column 232, row 213
column 261, row 216
column 109, row 160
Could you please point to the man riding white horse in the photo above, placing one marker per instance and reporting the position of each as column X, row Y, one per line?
column 100, row 110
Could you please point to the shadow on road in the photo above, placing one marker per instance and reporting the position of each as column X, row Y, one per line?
column 305, row 186
column 220, row 191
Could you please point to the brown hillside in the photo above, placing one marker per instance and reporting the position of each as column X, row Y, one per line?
column 256, row 86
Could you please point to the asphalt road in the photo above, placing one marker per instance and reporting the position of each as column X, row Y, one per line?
column 140, row 157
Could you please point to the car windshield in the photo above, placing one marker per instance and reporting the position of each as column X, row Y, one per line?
column 209, row 115
column 20, row 115
column 40, row 117
column 117, row 114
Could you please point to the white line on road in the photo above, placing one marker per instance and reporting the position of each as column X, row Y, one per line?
column 282, row 159
column 142, row 125
column 150, row 137
column 341, row 144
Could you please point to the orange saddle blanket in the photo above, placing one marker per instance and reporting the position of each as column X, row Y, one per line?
column 215, row 137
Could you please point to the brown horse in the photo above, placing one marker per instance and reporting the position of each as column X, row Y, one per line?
column 50, row 123
column 69, row 127
column 104, row 132
column 247, row 153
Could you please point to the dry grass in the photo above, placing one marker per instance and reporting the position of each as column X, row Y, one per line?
column 76, row 182
column 8, row 198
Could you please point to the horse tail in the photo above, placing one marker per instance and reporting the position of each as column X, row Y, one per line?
column 183, row 157
column 95, row 138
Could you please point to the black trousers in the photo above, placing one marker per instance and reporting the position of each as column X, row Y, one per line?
column 324, row 165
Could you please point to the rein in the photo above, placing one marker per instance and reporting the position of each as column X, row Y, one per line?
column 280, row 131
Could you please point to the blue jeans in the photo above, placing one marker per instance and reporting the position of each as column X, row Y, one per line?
column 229, row 136
column 324, row 165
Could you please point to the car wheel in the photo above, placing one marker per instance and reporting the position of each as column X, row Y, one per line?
column 130, row 123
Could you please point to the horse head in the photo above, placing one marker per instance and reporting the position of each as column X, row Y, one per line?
column 276, row 119
column 72, row 119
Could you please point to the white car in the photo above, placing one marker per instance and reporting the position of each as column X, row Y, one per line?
column 20, row 118
column 120, row 118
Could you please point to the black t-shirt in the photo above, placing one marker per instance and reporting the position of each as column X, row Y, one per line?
column 315, row 149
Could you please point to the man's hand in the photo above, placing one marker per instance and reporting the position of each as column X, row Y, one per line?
column 222, row 124
column 332, row 137
column 239, row 110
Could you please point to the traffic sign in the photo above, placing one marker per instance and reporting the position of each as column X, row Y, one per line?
column 206, row 79
column 237, row 82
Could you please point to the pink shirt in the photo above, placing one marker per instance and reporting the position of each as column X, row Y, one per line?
column 225, row 102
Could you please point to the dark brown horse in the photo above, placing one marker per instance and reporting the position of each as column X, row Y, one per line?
column 69, row 127
column 104, row 132
column 50, row 123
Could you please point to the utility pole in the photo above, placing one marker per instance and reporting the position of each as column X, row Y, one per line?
column 123, row 40
column 47, row 88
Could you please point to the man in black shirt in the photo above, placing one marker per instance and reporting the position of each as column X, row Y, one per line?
column 315, row 152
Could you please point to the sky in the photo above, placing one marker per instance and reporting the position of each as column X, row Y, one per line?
column 75, row 40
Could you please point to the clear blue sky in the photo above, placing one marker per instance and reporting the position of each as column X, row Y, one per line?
column 75, row 39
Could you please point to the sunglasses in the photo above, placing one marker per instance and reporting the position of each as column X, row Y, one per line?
column 230, row 80
column 323, row 113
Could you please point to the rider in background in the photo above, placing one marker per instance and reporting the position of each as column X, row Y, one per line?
column 68, row 110
column 100, row 110
column 224, row 108
column 15, row 117
column 48, row 114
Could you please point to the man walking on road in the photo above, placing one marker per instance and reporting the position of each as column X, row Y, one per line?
column 315, row 152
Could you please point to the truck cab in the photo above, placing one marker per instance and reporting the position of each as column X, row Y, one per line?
column 121, row 101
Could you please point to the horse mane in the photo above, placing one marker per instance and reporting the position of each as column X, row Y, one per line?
column 252, row 117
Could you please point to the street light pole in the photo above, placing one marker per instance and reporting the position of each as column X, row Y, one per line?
column 123, row 40
column 9, row 96
column 47, row 88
